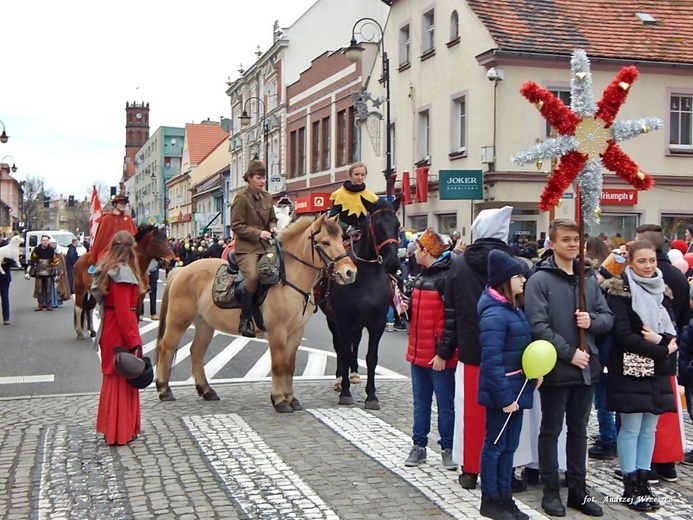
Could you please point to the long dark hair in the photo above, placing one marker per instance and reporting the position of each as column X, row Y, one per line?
column 506, row 291
column 595, row 249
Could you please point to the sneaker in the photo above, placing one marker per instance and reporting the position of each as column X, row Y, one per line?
column 389, row 327
column 601, row 451
column 467, row 480
column 688, row 458
column 401, row 326
column 448, row 463
column 666, row 471
column 417, row 455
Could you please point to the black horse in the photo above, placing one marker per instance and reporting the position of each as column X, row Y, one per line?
column 365, row 302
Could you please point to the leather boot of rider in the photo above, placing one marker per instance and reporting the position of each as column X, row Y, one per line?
column 257, row 314
column 246, row 325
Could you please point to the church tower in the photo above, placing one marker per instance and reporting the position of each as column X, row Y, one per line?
column 136, row 134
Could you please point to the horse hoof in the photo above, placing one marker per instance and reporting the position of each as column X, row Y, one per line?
column 373, row 404
column 346, row 399
column 296, row 405
column 283, row 407
column 338, row 385
column 210, row 395
column 354, row 378
column 167, row 396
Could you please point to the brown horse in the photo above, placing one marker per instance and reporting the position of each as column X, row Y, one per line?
column 310, row 247
column 151, row 244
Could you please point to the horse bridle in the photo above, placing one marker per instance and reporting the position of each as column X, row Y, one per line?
column 378, row 247
column 328, row 261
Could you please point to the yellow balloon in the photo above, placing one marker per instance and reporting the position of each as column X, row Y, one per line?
column 200, row 249
column 539, row 358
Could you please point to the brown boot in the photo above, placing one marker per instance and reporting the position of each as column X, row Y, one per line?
column 39, row 308
column 48, row 307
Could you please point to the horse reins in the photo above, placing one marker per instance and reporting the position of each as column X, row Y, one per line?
column 378, row 247
column 326, row 259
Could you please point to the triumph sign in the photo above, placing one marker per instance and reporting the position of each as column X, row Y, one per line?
column 461, row 184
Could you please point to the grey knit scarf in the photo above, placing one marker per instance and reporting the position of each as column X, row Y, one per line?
column 647, row 296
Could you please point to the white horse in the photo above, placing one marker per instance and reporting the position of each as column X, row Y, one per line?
column 11, row 252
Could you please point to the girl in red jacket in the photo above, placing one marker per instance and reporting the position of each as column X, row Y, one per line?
column 432, row 363
column 119, row 279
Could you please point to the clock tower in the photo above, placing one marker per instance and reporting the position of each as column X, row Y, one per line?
column 136, row 135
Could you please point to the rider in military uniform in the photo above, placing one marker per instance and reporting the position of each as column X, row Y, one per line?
column 346, row 201
column 252, row 221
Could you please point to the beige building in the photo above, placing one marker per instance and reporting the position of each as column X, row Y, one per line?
column 10, row 199
column 456, row 69
column 206, row 188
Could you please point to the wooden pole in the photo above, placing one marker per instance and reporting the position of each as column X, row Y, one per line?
column 581, row 268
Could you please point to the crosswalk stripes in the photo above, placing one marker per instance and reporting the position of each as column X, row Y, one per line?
column 233, row 358
column 257, row 478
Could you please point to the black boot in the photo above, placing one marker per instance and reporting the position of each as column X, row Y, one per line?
column 257, row 314
column 645, row 489
column 493, row 506
column 551, row 501
column 246, row 325
column 511, row 506
column 633, row 496
column 579, row 499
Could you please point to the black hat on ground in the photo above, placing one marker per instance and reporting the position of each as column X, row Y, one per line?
column 138, row 371
column 502, row 267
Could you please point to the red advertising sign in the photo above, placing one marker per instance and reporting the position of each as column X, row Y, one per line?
column 622, row 197
column 312, row 203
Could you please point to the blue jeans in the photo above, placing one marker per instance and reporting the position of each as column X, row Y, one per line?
column 390, row 314
column 636, row 441
column 605, row 418
column 497, row 459
column 424, row 382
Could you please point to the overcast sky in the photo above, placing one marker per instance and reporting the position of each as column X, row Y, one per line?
column 69, row 67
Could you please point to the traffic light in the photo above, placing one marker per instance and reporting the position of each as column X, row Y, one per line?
column 71, row 201
column 113, row 191
column 46, row 201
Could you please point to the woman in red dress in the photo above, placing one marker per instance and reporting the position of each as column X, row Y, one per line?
column 120, row 281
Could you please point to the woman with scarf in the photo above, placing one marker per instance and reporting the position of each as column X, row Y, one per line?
column 346, row 201
column 641, row 362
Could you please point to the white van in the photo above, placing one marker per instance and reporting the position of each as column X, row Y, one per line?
column 33, row 239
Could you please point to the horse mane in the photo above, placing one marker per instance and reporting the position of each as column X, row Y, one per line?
column 298, row 226
column 142, row 231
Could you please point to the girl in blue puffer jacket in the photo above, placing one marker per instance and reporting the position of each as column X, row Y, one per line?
column 504, row 333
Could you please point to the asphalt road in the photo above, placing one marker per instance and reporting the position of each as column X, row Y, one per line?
column 41, row 356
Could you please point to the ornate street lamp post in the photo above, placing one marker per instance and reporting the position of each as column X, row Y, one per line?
column 245, row 122
column 354, row 53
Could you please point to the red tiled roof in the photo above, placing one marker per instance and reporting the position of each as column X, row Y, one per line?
column 605, row 29
column 202, row 139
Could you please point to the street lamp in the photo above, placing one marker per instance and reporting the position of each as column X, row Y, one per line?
column 245, row 121
column 4, row 137
column 354, row 53
column 13, row 168
column 156, row 192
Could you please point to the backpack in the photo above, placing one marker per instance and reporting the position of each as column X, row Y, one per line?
column 269, row 267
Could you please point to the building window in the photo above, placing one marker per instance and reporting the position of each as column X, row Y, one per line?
column 424, row 135
column 447, row 223
column 675, row 226
column 404, row 45
column 293, row 154
column 454, row 26
column 563, row 95
column 325, row 145
column 428, row 32
column 315, row 147
column 418, row 222
column 680, row 121
column 341, row 138
column 458, row 129
column 301, row 152
column 353, row 136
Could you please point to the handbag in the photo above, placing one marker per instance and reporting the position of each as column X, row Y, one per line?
column 636, row 365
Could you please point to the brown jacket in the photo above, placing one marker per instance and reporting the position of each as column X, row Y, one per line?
column 251, row 213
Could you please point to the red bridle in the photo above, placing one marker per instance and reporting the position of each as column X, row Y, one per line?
column 376, row 246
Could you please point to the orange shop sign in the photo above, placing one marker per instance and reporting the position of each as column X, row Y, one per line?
column 312, row 203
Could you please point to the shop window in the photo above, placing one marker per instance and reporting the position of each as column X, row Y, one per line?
column 612, row 225
column 418, row 223
column 674, row 226
column 447, row 223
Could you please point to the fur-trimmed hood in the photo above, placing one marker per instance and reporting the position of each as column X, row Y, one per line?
column 619, row 287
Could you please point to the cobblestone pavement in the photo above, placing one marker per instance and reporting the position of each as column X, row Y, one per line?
column 237, row 458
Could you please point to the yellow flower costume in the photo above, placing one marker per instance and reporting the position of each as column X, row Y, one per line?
column 346, row 201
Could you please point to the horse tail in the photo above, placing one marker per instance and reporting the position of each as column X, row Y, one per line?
column 164, row 308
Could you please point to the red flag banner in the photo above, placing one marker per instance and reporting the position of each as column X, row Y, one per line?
column 94, row 214
column 406, row 188
column 422, row 184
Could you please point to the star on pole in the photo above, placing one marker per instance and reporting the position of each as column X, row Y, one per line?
column 587, row 137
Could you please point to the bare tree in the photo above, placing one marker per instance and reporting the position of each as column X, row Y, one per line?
column 32, row 200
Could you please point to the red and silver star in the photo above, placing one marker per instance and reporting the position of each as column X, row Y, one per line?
column 587, row 137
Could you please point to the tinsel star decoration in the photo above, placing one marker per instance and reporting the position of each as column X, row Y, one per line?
column 587, row 137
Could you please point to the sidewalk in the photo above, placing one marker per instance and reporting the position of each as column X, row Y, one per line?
column 237, row 458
